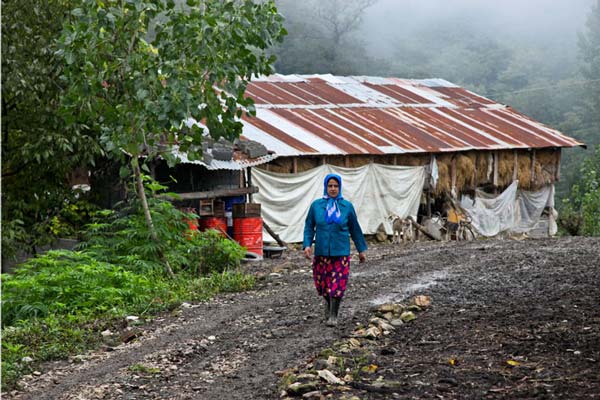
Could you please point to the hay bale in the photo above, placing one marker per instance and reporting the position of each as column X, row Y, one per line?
column 524, row 172
column 444, row 183
column 539, row 178
column 413, row 160
column 482, row 168
column 465, row 169
column 506, row 162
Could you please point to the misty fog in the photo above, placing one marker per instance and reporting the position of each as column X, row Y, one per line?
column 551, row 23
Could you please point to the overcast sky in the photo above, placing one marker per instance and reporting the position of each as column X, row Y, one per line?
column 539, row 22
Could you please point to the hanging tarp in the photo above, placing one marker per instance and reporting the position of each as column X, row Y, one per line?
column 512, row 211
column 375, row 190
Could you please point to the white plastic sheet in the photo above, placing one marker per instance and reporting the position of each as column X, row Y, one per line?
column 375, row 190
column 513, row 211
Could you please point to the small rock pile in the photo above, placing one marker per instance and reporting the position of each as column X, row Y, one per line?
column 351, row 364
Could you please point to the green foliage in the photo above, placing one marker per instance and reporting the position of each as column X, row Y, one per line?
column 581, row 211
column 64, row 282
column 136, row 70
column 122, row 236
column 216, row 253
column 38, row 150
column 56, row 304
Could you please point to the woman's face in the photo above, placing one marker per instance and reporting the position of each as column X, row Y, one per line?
column 333, row 188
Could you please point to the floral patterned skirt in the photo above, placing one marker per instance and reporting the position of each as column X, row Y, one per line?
column 331, row 275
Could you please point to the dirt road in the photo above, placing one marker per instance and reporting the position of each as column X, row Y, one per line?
column 508, row 319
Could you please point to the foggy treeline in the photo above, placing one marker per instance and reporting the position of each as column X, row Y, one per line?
column 530, row 55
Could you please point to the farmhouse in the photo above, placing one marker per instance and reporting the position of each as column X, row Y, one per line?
column 402, row 146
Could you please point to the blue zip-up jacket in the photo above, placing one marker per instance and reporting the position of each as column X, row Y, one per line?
column 333, row 239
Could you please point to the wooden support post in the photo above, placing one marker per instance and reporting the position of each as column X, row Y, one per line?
column 294, row 165
column 532, row 180
column 453, row 176
column 515, row 165
column 475, row 174
column 274, row 235
column 346, row 161
column 496, row 169
column 557, row 165
column 395, row 159
column 249, row 182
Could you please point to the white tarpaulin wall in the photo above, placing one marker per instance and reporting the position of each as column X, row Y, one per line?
column 513, row 211
column 375, row 190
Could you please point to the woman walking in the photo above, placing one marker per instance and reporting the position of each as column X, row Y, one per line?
column 330, row 223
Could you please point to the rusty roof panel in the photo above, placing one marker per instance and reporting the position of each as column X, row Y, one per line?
column 399, row 93
column 326, row 114
column 462, row 97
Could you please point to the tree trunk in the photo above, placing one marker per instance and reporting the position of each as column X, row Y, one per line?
column 142, row 195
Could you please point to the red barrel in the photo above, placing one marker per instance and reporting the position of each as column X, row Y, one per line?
column 218, row 223
column 248, row 233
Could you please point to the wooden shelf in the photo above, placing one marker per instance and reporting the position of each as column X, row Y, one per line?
column 217, row 193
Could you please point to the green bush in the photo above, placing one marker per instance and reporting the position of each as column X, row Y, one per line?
column 65, row 283
column 122, row 237
column 56, row 304
column 581, row 211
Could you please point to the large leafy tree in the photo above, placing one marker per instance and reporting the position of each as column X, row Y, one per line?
column 136, row 70
column 38, row 151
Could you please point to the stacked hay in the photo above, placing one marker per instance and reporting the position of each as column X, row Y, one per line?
column 482, row 168
column 524, row 173
column 506, row 165
column 444, row 183
column 413, row 160
column 545, row 165
column 465, row 171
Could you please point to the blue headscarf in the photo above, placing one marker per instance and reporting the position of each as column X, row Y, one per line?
column 332, row 213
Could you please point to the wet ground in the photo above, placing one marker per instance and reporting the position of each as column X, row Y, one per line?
column 507, row 320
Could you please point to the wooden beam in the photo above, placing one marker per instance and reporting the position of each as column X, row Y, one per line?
column 557, row 165
column 496, row 169
column 532, row 166
column 274, row 235
column 475, row 170
column 515, row 165
column 215, row 193
column 295, row 165
column 453, row 176
column 347, row 161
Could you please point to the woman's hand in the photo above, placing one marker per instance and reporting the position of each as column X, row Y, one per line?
column 308, row 252
column 362, row 257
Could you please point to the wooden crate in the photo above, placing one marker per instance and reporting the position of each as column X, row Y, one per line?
column 211, row 208
column 244, row 210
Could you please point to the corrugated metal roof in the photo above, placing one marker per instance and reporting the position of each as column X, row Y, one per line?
column 239, row 161
column 327, row 115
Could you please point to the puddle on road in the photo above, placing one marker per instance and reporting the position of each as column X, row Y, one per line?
column 406, row 289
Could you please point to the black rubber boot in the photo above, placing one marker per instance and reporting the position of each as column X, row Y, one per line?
column 333, row 314
column 327, row 307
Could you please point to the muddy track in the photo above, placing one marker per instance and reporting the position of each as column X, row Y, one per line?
column 232, row 346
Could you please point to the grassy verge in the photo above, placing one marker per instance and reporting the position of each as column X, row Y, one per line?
column 43, row 330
